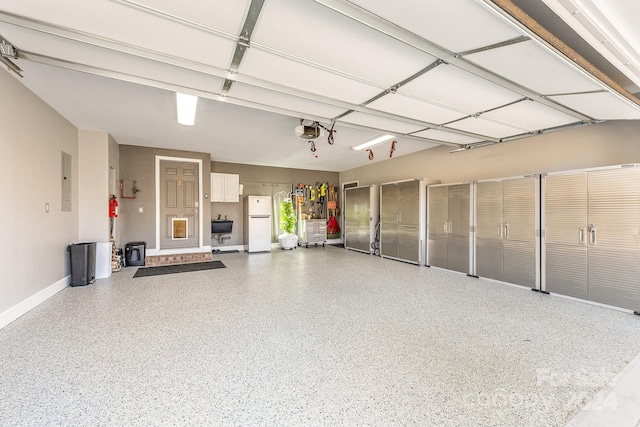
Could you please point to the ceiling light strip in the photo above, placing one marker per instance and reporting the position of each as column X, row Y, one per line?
column 377, row 23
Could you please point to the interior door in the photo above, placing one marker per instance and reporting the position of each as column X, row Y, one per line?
column 438, row 225
column 489, row 223
column 458, row 227
column 613, row 237
column 179, row 195
column 566, row 235
column 519, row 231
column 389, row 220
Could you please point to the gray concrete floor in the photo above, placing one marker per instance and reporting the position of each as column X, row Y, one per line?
column 318, row 336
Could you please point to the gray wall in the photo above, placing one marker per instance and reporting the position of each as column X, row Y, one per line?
column 33, row 255
column 605, row 144
column 261, row 181
column 138, row 163
column 93, row 148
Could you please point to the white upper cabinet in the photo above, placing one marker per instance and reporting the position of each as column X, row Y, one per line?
column 225, row 187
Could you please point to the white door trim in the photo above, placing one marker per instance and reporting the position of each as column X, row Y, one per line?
column 200, row 247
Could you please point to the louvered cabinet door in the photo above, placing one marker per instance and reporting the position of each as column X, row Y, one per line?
column 519, row 231
column 350, row 218
column 438, row 225
column 566, row 234
column 613, row 237
column 489, row 222
column 389, row 220
column 364, row 216
column 458, row 242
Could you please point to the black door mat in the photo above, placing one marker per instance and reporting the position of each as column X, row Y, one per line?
column 179, row 268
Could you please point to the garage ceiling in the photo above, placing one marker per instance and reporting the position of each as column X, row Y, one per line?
column 462, row 73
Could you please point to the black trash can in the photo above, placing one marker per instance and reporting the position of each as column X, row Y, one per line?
column 134, row 254
column 83, row 263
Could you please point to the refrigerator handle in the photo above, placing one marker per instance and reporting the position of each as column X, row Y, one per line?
column 506, row 230
column 581, row 235
column 592, row 234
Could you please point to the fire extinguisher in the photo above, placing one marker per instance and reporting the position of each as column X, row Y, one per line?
column 113, row 207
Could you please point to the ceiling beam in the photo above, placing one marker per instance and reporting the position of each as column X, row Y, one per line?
column 168, row 86
column 165, row 59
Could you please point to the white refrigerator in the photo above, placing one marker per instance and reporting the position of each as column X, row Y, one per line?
column 257, row 223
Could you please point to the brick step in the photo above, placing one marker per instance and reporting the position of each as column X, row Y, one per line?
column 156, row 260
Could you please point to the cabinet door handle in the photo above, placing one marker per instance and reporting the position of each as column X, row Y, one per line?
column 450, row 227
column 581, row 235
column 592, row 234
column 445, row 226
column 499, row 230
column 506, row 230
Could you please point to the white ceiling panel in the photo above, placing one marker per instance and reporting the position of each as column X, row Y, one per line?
column 601, row 106
column 485, row 127
column 294, row 103
column 530, row 115
column 440, row 135
column 381, row 123
column 414, row 108
column 449, row 85
column 530, row 65
column 81, row 53
column 263, row 65
column 223, row 15
column 132, row 27
column 456, row 25
column 337, row 42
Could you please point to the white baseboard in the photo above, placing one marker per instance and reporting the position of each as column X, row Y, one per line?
column 33, row 301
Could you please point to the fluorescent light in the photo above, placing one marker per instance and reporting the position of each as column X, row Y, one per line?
column 186, row 108
column 373, row 142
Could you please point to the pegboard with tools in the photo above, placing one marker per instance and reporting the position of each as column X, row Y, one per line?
column 314, row 201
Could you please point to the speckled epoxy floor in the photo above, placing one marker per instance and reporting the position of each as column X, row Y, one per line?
column 318, row 336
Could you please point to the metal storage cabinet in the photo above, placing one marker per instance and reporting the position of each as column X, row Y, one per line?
column 450, row 221
column 592, row 235
column 403, row 220
column 507, row 218
column 362, row 206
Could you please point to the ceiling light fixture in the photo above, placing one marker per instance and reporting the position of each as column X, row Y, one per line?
column 186, row 105
column 373, row 142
